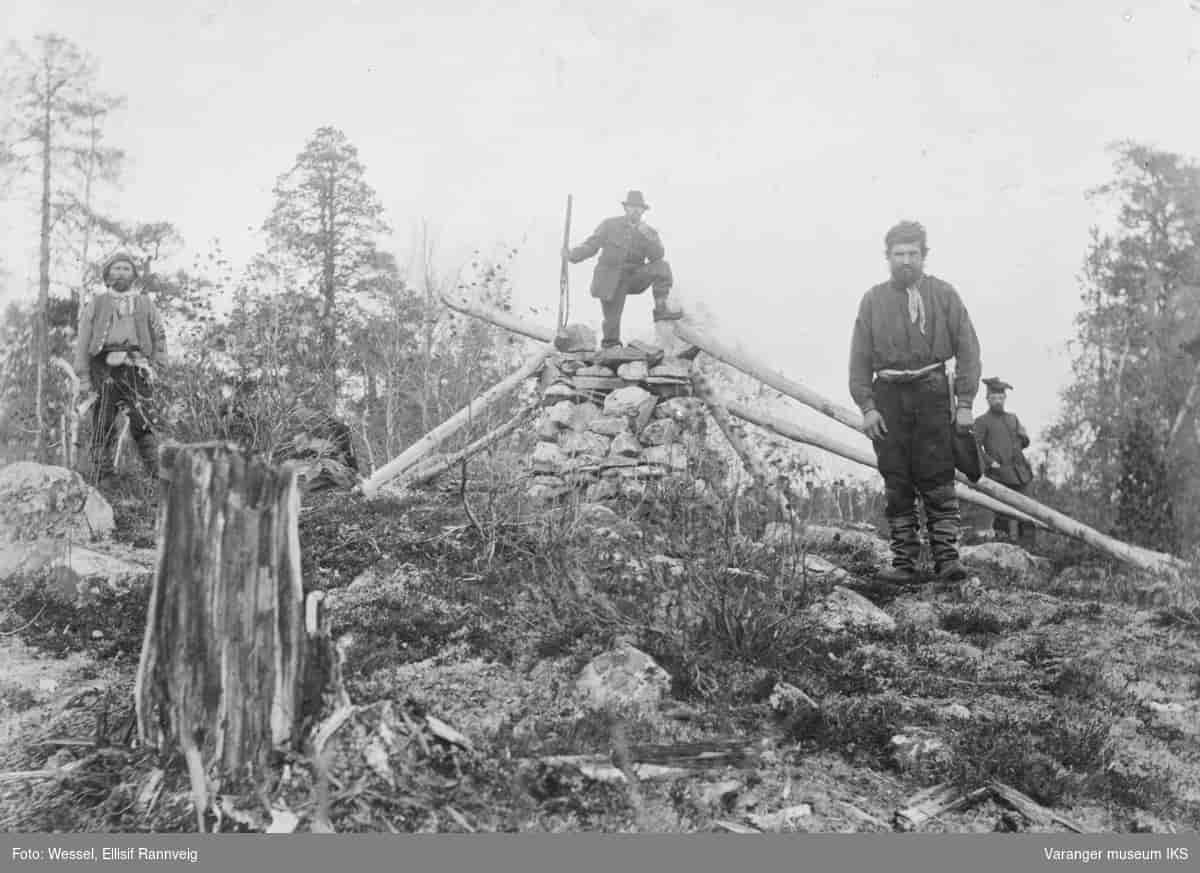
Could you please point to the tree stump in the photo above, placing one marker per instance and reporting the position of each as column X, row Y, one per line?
column 227, row 662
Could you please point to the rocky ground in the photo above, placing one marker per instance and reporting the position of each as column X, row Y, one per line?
column 643, row 666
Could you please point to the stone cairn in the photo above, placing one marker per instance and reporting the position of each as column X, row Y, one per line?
column 614, row 423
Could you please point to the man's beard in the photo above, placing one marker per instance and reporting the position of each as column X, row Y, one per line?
column 121, row 284
column 905, row 275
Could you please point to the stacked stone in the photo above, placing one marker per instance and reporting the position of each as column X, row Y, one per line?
column 615, row 422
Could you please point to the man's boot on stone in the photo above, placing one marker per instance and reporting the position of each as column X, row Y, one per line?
column 943, row 520
column 665, row 312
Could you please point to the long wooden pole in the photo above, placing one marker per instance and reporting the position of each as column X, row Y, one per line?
column 455, row 423
column 1144, row 559
column 717, row 408
column 436, row 466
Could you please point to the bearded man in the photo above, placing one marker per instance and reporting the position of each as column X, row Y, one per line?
column 120, row 345
column 906, row 330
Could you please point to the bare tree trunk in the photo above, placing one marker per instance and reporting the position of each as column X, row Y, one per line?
column 226, row 660
column 1189, row 403
column 41, row 317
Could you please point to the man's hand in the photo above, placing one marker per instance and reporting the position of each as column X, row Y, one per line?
column 873, row 425
column 964, row 421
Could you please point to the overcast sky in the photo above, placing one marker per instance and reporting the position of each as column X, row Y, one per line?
column 776, row 142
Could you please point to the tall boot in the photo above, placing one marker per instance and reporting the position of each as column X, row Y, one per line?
column 905, row 534
column 943, row 522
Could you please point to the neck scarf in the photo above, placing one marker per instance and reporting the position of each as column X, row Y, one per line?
column 916, row 306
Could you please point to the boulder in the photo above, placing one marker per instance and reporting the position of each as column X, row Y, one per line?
column 547, row 457
column 625, row 444
column 557, row 393
column 547, row 429
column 608, row 425
column 660, row 432
column 576, row 338
column 918, row 750
column 634, row 371
column 624, row 679
column 560, row 413
column 583, row 415
column 598, row 383
column 1006, row 557
column 645, row 412
column 843, row 610
column 672, row 456
column 589, row 444
column 596, row 370
column 71, row 574
column 673, row 368
column 626, row 402
column 605, row 489
column 38, row 501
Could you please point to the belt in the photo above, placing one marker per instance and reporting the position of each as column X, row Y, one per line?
column 910, row 375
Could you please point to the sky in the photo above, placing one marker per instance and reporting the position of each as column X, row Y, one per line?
column 776, row 143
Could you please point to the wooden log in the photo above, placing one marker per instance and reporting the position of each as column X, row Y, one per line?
column 436, row 466
column 929, row 804
column 1033, row 810
column 991, row 495
column 498, row 317
column 754, row 466
column 426, row 444
column 222, row 666
column 697, row 336
column 861, row 455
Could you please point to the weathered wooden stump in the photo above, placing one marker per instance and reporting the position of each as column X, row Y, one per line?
column 227, row 662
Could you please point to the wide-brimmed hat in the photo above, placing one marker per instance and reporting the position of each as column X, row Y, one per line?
column 635, row 198
column 996, row 385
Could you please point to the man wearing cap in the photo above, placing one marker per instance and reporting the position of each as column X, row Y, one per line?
column 1002, row 437
column 631, row 260
column 906, row 330
column 120, row 345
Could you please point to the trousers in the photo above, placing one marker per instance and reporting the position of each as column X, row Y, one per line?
column 635, row 280
column 916, row 460
column 125, row 386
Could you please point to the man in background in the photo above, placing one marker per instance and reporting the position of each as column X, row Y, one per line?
column 121, row 344
column 1003, row 438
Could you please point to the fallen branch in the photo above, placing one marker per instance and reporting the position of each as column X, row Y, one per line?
column 754, row 466
column 1033, row 810
column 455, row 423
column 932, row 802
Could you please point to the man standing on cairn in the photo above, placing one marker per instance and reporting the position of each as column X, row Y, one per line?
column 631, row 260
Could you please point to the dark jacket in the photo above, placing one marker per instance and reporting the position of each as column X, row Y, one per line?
column 621, row 248
column 95, row 321
column 885, row 339
column 1001, row 437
